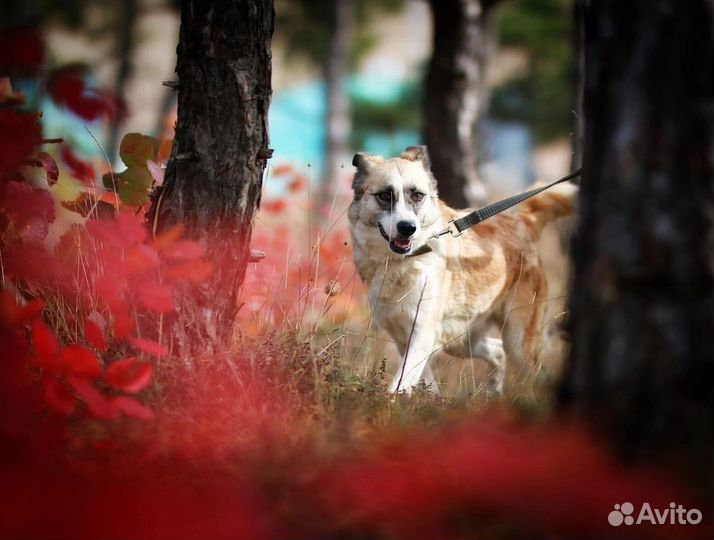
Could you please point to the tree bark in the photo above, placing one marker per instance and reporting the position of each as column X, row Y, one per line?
column 455, row 97
column 214, row 177
column 642, row 308
column 338, row 121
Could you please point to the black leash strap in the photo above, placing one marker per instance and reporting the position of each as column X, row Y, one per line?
column 456, row 227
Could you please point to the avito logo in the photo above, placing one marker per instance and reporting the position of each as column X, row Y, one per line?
column 675, row 514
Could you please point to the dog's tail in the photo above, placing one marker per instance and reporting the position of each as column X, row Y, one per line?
column 559, row 201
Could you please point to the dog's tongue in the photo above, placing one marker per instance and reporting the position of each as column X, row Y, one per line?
column 402, row 243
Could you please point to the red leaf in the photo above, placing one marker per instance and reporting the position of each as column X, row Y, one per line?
column 68, row 88
column 158, row 298
column 23, row 51
column 274, row 206
column 99, row 405
column 12, row 314
column 132, row 408
column 111, row 290
column 150, row 347
column 26, row 206
column 184, row 250
column 297, row 185
column 81, row 170
column 47, row 162
column 58, row 397
column 78, row 360
column 129, row 375
column 44, row 340
column 123, row 324
column 139, row 259
column 282, row 170
column 95, row 335
column 19, row 132
column 193, row 271
column 167, row 237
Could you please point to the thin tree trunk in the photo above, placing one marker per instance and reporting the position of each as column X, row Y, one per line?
column 125, row 49
column 338, row 122
column 214, row 178
column 642, row 361
column 455, row 98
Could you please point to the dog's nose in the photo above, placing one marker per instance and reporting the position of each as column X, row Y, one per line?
column 406, row 228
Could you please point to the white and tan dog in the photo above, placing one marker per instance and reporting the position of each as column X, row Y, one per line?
column 448, row 298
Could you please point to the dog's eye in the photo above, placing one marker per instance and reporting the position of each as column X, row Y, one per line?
column 417, row 197
column 385, row 196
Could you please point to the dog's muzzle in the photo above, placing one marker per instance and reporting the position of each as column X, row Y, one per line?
column 399, row 245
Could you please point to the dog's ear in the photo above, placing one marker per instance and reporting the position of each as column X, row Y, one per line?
column 365, row 163
column 418, row 153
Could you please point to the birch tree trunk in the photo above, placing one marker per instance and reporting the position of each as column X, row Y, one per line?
column 214, row 178
column 455, row 98
column 642, row 309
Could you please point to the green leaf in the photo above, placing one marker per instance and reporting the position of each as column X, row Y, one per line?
column 136, row 148
column 134, row 184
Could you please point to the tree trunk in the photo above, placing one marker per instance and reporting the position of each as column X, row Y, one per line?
column 214, row 178
column 642, row 308
column 338, row 122
column 124, row 51
column 455, row 98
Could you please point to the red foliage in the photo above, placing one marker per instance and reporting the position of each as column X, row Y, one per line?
column 193, row 271
column 44, row 341
column 30, row 210
column 68, row 88
column 130, row 375
column 184, row 250
column 79, row 169
column 19, row 133
column 23, row 51
column 95, row 335
column 149, row 347
column 47, row 162
column 78, row 360
column 58, row 397
column 131, row 408
column 155, row 297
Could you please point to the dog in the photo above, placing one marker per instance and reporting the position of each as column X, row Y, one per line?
column 448, row 298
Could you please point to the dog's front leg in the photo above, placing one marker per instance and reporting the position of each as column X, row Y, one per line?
column 420, row 344
column 413, row 362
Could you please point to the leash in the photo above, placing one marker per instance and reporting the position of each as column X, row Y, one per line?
column 456, row 227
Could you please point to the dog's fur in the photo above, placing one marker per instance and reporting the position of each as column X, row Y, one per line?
column 448, row 298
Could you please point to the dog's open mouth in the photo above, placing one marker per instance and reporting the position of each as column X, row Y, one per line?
column 398, row 245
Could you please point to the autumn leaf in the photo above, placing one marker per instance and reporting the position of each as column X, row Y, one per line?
column 136, row 149
column 149, row 347
column 19, row 133
column 58, row 396
column 156, row 297
column 129, row 374
column 193, row 271
column 133, row 185
column 44, row 340
column 78, row 360
column 131, row 408
column 184, row 250
column 78, row 169
column 67, row 88
column 95, row 334
column 99, row 405
column 47, row 162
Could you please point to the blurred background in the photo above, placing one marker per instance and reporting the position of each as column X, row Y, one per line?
column 347, row 76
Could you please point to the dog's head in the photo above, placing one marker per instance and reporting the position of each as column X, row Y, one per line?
column 395, row 198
